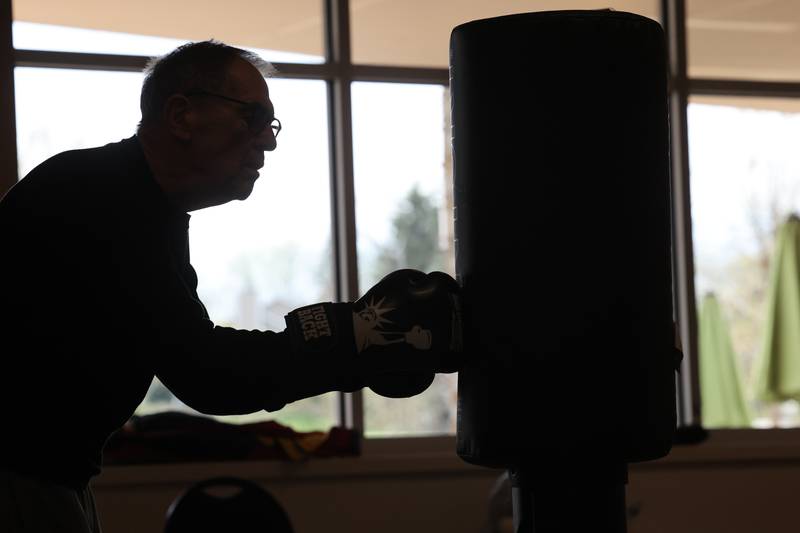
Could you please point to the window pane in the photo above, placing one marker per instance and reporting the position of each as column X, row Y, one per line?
column 417, row 32
column 743, row 40
column 403, row 195
column 280, row 31
column 64, row 109
column 256, row 259
column 745, row 182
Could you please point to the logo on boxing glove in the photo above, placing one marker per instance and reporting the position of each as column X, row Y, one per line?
column 313, row 328
column 314, row 322
column 369, row 323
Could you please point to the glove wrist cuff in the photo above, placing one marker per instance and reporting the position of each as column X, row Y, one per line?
column 321, row 328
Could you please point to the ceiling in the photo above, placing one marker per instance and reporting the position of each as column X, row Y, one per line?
column 749, row 39
column 743, row 39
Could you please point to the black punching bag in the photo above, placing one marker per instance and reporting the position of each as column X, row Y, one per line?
column 562, row 207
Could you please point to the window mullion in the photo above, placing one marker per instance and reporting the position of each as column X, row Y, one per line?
column 674, row 20
column 744, row 88
column 337, row 44
column 8, row 135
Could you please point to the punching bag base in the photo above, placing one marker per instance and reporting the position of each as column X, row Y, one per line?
column 549, row 499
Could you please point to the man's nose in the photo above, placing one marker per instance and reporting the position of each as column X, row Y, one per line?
column 266, row 140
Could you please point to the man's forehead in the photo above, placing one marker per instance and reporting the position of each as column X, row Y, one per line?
column 248, row 83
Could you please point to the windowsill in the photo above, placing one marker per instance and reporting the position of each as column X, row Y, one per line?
column 401, row 457
column 436, row 457
column 728, row 446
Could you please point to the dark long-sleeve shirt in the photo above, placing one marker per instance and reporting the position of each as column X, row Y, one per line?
column 98, row 296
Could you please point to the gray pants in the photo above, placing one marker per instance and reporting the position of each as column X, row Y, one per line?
column 32, row 506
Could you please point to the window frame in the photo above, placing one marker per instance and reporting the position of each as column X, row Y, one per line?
column 339, row 72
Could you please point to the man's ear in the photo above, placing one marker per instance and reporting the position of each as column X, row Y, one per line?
column 177, row 114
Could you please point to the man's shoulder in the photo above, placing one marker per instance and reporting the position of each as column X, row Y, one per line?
column 84, row 161
column 78, row 189
column 76, row 175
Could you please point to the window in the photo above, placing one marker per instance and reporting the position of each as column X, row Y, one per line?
column 745, row 181
column 259, row 259
column 395, row 87
column 745, row 184
column 403, row 193
column 250, row 281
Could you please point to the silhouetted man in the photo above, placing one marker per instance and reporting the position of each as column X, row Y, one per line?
column 99, row 295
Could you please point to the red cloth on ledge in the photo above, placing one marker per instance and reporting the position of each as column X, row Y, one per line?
column 172, row 436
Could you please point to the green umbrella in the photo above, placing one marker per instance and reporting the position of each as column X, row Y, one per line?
column 778, row 376
column 723, row 402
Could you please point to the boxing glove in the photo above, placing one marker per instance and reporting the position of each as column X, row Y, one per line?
column 394, row 339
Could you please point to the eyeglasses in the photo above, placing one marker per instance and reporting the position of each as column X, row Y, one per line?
column 257, row 115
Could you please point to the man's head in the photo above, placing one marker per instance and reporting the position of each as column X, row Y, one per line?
column 206, row 122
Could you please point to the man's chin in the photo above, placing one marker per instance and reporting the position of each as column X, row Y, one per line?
column 244, row 190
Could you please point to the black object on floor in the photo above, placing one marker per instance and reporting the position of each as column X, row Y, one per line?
column 227, row 505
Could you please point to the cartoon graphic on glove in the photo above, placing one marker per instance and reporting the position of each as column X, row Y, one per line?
column 368, row 322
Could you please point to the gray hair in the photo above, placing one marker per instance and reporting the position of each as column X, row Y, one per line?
column 197, row 65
